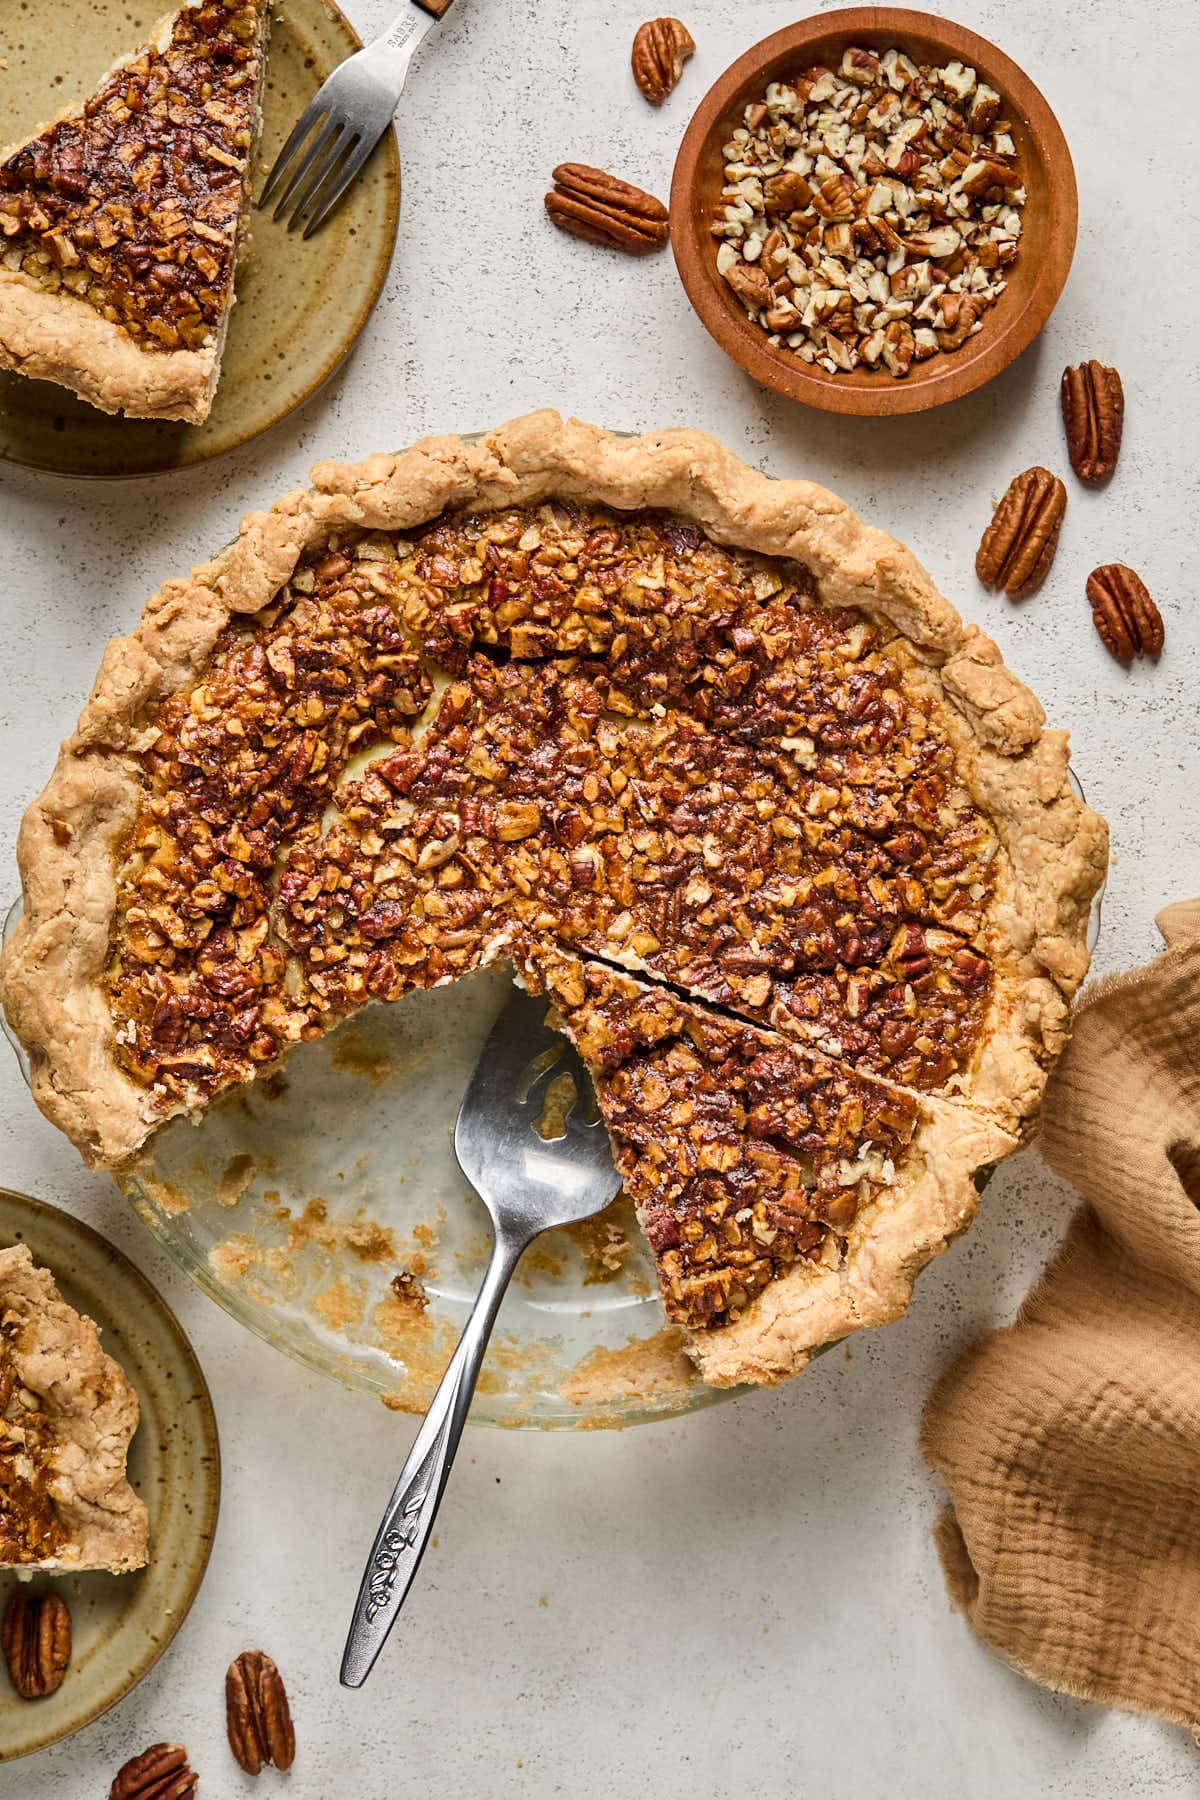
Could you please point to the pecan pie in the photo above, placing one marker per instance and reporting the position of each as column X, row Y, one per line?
column 121, row 221
column 698, row 752
column 67, row 1415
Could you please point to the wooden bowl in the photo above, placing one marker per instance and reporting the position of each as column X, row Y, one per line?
column 1035, row 278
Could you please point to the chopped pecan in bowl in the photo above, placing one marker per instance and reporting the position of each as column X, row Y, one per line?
column 869, row 307
column 870, row 210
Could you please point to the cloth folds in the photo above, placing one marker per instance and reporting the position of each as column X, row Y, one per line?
column 1070, row 1441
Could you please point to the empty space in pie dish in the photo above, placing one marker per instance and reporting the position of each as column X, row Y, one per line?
column 323, row 1207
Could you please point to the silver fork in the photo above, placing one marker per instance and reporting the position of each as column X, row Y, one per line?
column 350, row 113
column 532, row 1146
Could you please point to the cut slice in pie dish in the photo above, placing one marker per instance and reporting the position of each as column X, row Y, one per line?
column 67, row 1415
column 683, row 744
column 788, row 1199
column 122, row 220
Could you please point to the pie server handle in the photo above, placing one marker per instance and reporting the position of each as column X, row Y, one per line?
column 404, row 1532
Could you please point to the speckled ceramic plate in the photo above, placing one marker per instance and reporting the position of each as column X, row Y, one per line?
column 300, row 306
column 121, row 1624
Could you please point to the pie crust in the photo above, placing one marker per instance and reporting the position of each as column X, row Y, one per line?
column 66, row 1427
column 155, row 197
column 1053, row 858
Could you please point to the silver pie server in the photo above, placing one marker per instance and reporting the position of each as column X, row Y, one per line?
column 530, row 1141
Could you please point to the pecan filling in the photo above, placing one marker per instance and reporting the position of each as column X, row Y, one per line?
column 732, row 872
column 560, row 726
column 242, row 764
column 133, row 203
column 743, row 1155
column 30, row 1529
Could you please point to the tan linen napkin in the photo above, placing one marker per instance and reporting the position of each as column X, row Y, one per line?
column 1070, row 1442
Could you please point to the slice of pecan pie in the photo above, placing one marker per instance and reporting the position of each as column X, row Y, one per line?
column 67, row 1415
column 121, row 221
column 788, row 1199
column 622, row 703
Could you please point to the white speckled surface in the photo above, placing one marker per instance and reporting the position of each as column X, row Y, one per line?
column 561, row 1641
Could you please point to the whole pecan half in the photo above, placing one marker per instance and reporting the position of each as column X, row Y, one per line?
column 36, row 1639
column 605, row 210
column 257, row 1715
column 660, row 49
column 1125, row 616
column 1019, row 544
column 159, row 1773
column 1093, row 410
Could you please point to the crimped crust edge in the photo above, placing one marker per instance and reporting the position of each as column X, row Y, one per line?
column 1056, row 848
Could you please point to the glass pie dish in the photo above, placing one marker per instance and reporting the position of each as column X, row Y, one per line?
column 323, row 1208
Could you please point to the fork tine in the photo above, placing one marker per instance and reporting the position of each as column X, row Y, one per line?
column 330, row 165
column 317, row 163
column 317, row 188
column 316, row 109
column 347, row 173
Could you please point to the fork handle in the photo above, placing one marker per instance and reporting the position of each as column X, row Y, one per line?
column 439, row 8
column 400, row 1541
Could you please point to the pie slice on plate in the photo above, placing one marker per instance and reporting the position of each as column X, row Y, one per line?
column 697, row 751
column 67, row 1415
column 121, row 221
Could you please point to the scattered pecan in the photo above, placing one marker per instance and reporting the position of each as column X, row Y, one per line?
column 1093, row 410
column 36, row 1639
column 1019, row 544
column 258, row 1719
column 1125, row 616
column 660, row 49
column 605, row 210
column 159, row 1773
